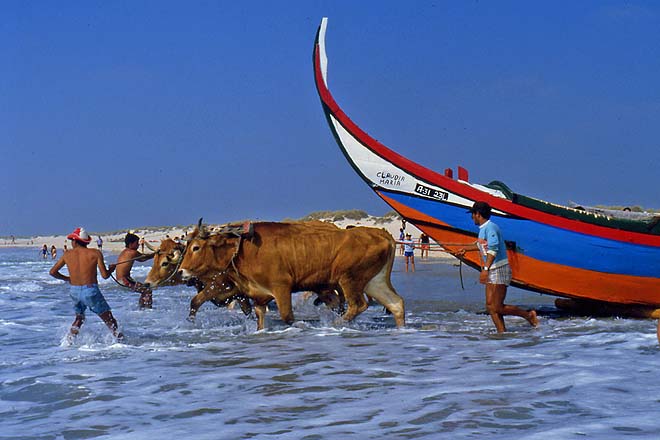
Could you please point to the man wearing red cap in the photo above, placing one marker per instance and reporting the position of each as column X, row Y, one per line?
column 82, row 263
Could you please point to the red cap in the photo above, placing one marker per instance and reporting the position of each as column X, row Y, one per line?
column 80, row 234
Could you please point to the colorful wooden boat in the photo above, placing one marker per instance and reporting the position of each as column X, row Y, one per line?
column 552, row 249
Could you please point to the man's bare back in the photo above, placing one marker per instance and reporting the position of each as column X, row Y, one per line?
column 82, row 264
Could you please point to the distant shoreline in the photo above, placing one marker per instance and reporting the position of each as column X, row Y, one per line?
column 114, row 242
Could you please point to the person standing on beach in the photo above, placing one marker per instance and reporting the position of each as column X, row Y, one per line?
column 84, row 291
column 44, row 252
column 495, row 273
column 424, row 244
column 99, row 243
column 53, row 252
column 409, row 251
column 124, row 265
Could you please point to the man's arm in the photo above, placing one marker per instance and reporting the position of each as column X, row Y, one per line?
column 105, row 273
column 468, row 248
column 55, row 271
column 145, row 257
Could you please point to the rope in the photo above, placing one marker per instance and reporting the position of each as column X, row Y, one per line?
column 137, row 258
column 460, row 272
column 128, row 261
column 121, row 284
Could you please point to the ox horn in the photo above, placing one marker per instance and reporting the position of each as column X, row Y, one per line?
column 202, row 232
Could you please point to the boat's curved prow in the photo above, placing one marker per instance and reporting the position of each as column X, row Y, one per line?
column 379, row 166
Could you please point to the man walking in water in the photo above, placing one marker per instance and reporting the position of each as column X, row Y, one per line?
column 495, row 273
column 124, row 265
column 82, row 264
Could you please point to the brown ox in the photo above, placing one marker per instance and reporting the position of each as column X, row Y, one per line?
column 165, row 264
column 280, row 258
column 164, row 272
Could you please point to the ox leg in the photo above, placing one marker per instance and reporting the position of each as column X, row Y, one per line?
column 283, row 300
column 354, row 299
column 198, row 300
column 260, row 311
column 380, row 288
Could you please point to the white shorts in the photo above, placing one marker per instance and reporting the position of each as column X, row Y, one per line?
column 500, row 275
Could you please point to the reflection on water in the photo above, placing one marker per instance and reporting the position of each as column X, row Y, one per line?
column 446, row 375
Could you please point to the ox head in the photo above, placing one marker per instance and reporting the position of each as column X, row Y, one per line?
column 207, row 254
column 166, row 260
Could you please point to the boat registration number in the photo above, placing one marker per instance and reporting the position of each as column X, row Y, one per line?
column 430, row 192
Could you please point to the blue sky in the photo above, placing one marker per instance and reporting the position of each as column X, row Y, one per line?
column 125, row 114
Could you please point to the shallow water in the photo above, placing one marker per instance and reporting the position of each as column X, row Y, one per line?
column 446, row 375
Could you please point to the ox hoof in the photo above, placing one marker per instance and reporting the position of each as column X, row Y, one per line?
column 190, row 319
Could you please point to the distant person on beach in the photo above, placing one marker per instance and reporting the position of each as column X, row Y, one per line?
column 409, row 252
column 84, row 291
column 99, row 243
column 144, row 242
column 53, row 252
column 124, row 265
column 495, row 273
column 402, row 235
column 44, row 252
column 424, row 245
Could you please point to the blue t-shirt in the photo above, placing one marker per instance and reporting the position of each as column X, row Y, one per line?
column 490, row 241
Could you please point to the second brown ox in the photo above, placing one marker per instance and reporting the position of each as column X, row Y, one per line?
column 280, row 258
column 164, row 272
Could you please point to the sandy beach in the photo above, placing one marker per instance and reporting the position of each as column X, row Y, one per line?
column 113, row 242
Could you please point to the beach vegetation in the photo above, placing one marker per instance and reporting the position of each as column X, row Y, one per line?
column 352, row 214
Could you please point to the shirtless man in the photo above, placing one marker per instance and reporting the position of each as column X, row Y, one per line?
column 124, row 265
column 82, row 263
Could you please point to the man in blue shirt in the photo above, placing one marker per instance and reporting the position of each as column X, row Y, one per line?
column 495, row 272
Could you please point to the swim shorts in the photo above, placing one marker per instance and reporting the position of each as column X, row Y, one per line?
column 500, row 275
column 88, row 296
column 408, row 253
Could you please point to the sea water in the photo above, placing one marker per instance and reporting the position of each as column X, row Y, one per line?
column 447, row 374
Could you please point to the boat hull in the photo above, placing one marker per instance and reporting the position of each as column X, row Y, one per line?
column 548, row 253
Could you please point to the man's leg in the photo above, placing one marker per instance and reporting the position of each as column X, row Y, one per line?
column 146, row 296
column 496, row 304
column 495, row 294
column 77, row 323
column 111, row 322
